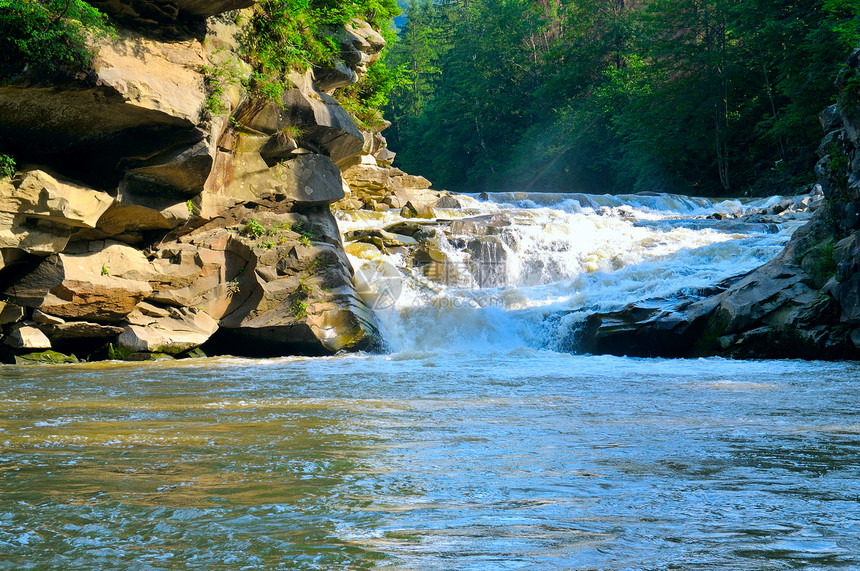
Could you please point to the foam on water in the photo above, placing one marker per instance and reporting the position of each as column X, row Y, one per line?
column 570, row 254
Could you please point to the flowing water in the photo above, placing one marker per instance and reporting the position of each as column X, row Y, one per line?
column 545, row 261
column 476, row 442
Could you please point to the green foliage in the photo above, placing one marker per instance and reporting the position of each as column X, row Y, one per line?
column 323, row 262
column 47, row 34
column 218, row 77
column 214, row 103
column 291, row 131
column 364, row 99
column 299, row 308
column 306, row 231
column 117, row 353
column 254, row 229
column 298, row 300
column 820, row 263
column 7, row 166
column 849, row 92
column 282, row 36
column 697, row 96
column 846, row 16
column 287, row 35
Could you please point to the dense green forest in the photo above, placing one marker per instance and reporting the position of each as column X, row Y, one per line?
column 709, row 97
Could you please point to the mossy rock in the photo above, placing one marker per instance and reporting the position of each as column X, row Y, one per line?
column 117, row 353
column 45, row 358
column 819, row 263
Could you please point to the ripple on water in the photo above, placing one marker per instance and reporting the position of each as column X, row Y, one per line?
column 528, row 459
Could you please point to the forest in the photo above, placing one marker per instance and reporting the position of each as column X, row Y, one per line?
column 705, row 97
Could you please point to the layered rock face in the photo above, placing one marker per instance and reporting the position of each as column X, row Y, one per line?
column 372, row 183
column 803, row 304
column 151, row 215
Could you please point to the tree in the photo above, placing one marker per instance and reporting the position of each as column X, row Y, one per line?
column 49, row 35
column 694, row 96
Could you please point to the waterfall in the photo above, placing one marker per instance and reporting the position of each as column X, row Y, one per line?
column 511, row 270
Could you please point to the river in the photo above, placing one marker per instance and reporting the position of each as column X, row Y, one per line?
column 479, row 440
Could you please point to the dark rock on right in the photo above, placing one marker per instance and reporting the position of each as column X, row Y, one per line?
column 805, row 303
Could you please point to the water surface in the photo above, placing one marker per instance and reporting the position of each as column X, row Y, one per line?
column 423, row 460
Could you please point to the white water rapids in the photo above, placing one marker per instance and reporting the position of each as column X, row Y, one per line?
column 496, row 270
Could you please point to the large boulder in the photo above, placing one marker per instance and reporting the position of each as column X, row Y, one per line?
column 27, row 336
column 309, row 314
column 285, row 285
column 307, row 180
column 845, row 285
column 208, row 270
column 176, row 173
column 143, row 98
column 38, row 194
column 19, row 236
column 127, row 221
column 276, row 280
column 325, row 126
column 169, row 330
column 154, row 75
column 78, row 330
column 10, row 312
column 367, row 177
column 100, row 286
column 39, row 212
column 360, row 46
column 766, row 296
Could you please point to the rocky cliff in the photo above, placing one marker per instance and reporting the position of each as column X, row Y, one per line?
column 161, row 206
column 803, row 304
